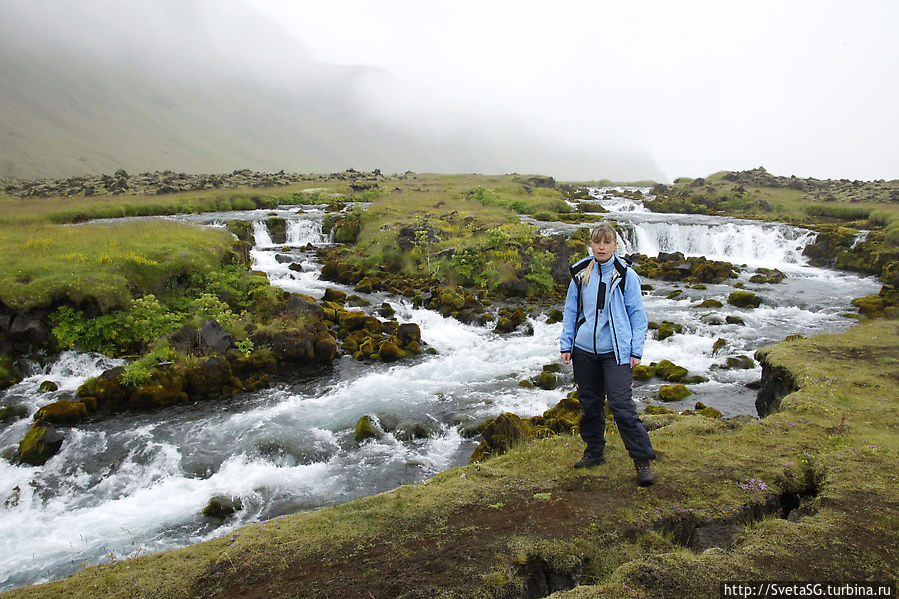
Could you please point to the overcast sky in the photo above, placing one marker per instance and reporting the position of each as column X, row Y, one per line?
column 800, row 87
column 673, row 88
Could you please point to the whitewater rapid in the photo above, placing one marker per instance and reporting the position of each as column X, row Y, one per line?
column 136, row 483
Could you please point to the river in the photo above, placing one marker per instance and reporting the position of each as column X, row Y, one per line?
column 136, row 483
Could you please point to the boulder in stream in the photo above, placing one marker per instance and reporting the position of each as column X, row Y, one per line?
column 40, row 444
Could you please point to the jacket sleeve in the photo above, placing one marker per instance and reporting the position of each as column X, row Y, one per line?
column 633, row 302
column 566, row 343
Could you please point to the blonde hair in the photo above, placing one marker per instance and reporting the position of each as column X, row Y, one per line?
column 604, row 232
column 601, row 232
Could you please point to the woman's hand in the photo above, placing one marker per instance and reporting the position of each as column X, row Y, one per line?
column 566, row 357
column 634, row 361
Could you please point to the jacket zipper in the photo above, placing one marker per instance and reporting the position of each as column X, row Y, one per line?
column 612, row 326
column 596, row 306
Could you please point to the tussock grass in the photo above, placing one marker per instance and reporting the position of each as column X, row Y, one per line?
column 102, row 264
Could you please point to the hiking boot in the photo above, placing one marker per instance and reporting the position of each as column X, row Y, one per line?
column 589, row 462
column 644, row 472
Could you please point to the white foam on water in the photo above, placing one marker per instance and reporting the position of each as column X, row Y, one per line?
column 120, row 487
column 261, row 236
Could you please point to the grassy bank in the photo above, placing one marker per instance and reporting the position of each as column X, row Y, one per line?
column 101, row 264
column 501, row 527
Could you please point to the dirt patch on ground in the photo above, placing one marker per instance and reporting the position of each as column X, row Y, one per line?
column 435, row 556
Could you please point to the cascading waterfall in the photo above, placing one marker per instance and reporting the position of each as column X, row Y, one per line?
column 261, row 235
column 135, row 483
column 759, row 244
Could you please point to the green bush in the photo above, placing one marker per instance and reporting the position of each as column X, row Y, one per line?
column 540, row 279
column 140, row 371
column 838, row 211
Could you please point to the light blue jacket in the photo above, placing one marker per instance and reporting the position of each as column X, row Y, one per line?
column 623, row 302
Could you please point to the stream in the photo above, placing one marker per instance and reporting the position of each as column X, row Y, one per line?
column 135, row 484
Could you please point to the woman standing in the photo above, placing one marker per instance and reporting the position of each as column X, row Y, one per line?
column 603, row 331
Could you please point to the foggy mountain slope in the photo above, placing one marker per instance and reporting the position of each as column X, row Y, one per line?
column 204, row 86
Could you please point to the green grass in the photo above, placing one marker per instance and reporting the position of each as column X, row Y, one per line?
column 102, row 264
column 784, row 204
column 469, row 531
column 18, row 211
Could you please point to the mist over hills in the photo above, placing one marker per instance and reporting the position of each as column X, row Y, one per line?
column 204, row 86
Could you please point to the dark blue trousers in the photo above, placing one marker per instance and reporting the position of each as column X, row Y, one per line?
column 598, row 377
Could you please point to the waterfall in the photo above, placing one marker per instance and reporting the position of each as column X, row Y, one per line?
column 135, row 483
column 742, row 243
column 261, row 235
column 301, row 232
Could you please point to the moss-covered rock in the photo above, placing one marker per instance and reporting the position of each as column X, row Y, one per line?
column 643, row 373
column 350, row 320
column 13, row 413
column 334, row 295
column 740, row 362
column 9, row 374
column 719, row 343
column 63, row 412
column 709, row 303
column 504, row 431
column 710, row 413
column 674, row 392
column 242, row 229
column 831, row 241
column 656, row 410
column 324, row 347
column 390, row 351
column 409, row 332
column 368, row 285
column 48, row 387
column 366, row 428
column 277, row 229
column 346, row 229
column 731, row 319
column 107, row 389
column 885, row 303
column 547, row 380
column 40, row 444
column 667, row 329
column 744, row 299
column 509, row 321
column 221, row 507
column 211, row 378
column 670, row 371
column 564, row 417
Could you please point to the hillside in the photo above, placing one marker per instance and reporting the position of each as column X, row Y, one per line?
column 159, row 88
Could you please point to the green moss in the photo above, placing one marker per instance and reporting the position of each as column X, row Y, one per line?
column 366, row 429
column 669, row 371
column 656, row 410
column 667, row 329
column 64, row 412
column 673, row 392
column 547, row 380
column 9, row 374
column 643, row 373
column 719, row 343
column 744, row 299
column 709, row 303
